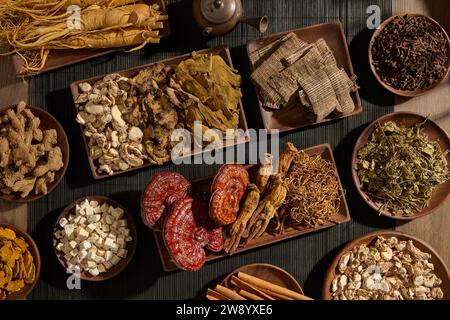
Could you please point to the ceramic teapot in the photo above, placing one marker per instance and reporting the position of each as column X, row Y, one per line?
column 217, row 17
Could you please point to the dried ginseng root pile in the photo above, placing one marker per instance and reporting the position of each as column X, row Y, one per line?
column 35, row 28
column 400, row 168
column 290, row 72
column 387, row 269
column 303, row 193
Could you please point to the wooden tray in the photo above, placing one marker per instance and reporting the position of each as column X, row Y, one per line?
column 131, row 245
column 203, row 185
column 440, row 268
column 63, row 58
column 296, row 117
column 223, row 51
column 434, row 133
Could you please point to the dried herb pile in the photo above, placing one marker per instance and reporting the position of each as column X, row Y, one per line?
column 313, row 190
column 401, row 168
column 410, row 53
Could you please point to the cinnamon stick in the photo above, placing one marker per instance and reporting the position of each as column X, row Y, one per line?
column 249, row 295
column 244, row 285
column 215, row 295
column 262, row 284
column 229, row 293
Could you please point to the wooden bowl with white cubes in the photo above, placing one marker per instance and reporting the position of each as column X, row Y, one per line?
column 96, row 237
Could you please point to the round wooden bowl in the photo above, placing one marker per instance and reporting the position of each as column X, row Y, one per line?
column 440, row 269
column 434, row 133
column 32, row 247
column 131, row 245
column 268, row 272
column 47, row 122
column 406, row 93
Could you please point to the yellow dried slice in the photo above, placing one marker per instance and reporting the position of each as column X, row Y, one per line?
column 7, row 234
column 16, row 263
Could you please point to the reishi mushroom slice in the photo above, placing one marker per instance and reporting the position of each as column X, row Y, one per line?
column 161, row 192
column 227, row 172
column 185, row 237
column 228, row 188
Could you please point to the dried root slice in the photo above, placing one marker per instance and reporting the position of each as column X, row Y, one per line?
column 264, row 172
column 187, row 232
column 160, row 194
column 227, row 189
column 266, row 210
column 237, row 229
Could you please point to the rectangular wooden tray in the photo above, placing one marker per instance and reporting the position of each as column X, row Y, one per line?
column 63, row 58
column 222, row 51
column 296, row 117
column 203, row 185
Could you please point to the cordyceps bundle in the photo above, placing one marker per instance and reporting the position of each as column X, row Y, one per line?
column 33, row 28
column 313, row 190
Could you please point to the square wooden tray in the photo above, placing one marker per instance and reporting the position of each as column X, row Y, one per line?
column 63, row 58
column 297, row 117
column 203, row 185
column 222, row 51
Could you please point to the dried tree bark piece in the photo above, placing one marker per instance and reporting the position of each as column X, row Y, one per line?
column 227, row 189
column 160, row 194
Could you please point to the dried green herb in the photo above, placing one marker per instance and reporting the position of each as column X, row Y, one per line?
column 400, row 168
column 410, row 53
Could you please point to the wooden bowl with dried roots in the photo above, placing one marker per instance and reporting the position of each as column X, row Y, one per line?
column 47, row 122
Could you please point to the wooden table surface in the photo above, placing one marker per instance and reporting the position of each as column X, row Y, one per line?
column 434, row 228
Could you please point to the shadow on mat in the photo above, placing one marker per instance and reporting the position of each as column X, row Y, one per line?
column 61, row 106
column 370, row 89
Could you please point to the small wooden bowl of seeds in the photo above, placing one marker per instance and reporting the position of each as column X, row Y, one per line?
column 95, row 237
column 409, row 54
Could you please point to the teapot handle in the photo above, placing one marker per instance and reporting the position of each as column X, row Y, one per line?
column 260, row 23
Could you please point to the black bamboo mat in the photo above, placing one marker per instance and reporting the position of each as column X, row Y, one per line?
column 306, row 257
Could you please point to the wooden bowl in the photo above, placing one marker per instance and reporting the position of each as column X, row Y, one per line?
column 440, row 268
column 433, row 131
column 131, row 245
column 32, row 247
column 47, row 122
column 406, row 93
column 268, row 272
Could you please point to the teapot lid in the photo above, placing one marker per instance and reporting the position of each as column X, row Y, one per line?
column 218, row 11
